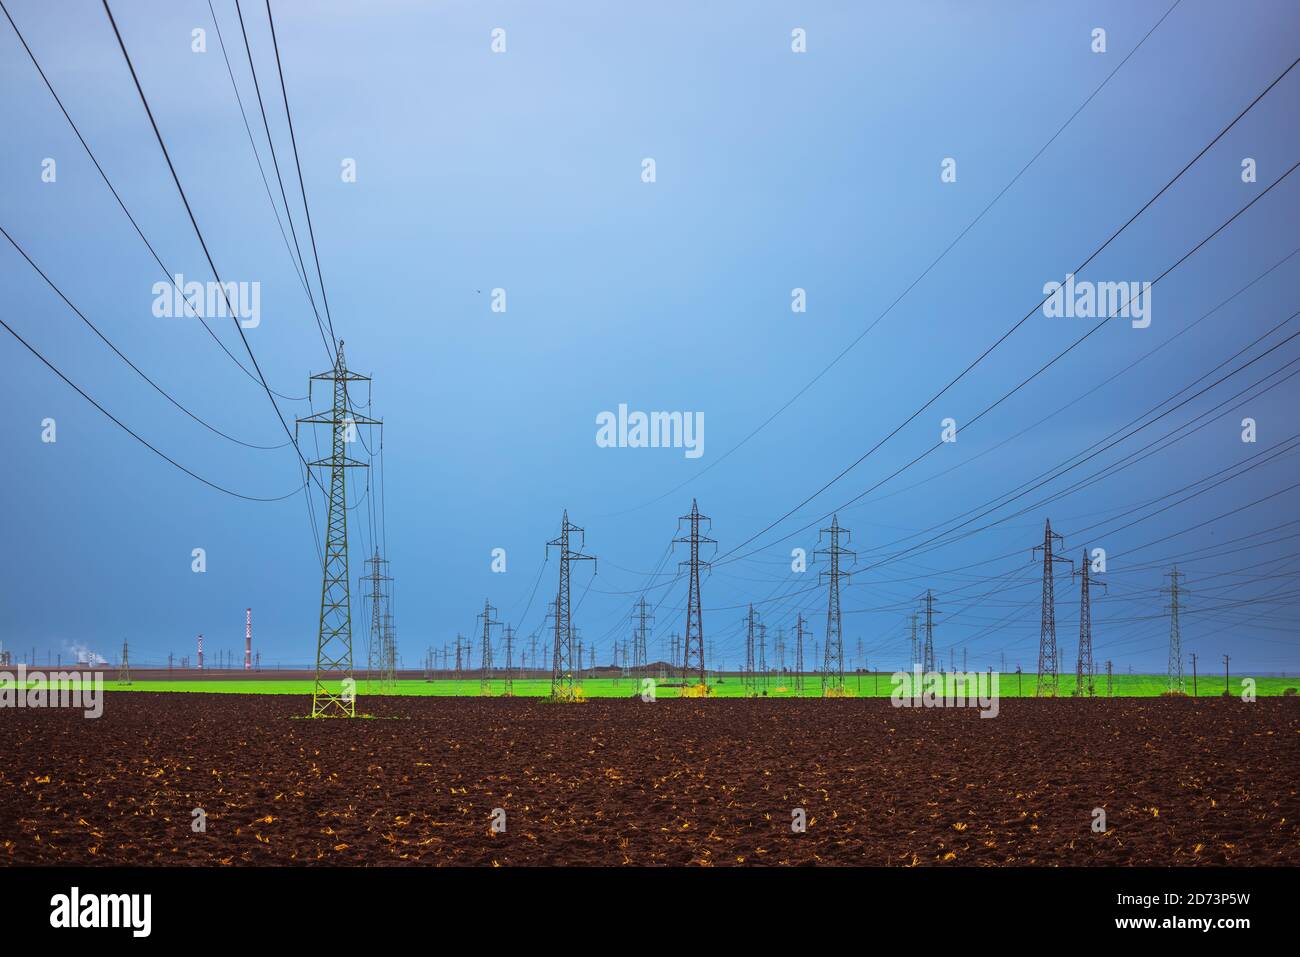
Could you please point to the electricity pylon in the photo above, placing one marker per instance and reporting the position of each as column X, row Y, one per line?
column 508, row 689
column 376, row 653
column 1049, row 678
column 562, row 686
column 1084, row 666
column 485, row 673
column 1174, row 590
column 334, row 637
column 641, row 616
column 833, row 663
column 1110, row 678
column 798, row 654
column 124, row 671
column 762, row 655
column 693, row 650
column 388, row 660
column 915, row 659
column 927, row 651
column 747, row 679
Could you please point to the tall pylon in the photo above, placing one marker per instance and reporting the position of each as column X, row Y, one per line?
column 747, row 679
column 562, row 684
column 485, row 658
column 641, row 615
column 123, row 671
column 798, row 654
column 1175, row 590
column 1049, row 678
column 693, row 650
column 833, row 662
column 915, row 651
column 762, row 656
column 927, row 651
column 508, row 689
column 1084, row 666
column 376, row 652
column 334, row 690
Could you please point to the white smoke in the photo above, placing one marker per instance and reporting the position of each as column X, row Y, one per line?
column 81, row 653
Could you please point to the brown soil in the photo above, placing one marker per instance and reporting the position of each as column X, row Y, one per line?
column 672, row 782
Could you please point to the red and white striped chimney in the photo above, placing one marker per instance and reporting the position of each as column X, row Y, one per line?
column 248, row 639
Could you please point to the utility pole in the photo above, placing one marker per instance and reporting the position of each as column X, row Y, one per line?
column 1175, row 638
column 562, row 688
column 798, row 654
column 1049, row 678
column 332, row 692
column 485, row 673
column 508, row 689
column 927, row 652
column 693, row 650
column 123, row 672
column 1193, row 674
column 639, row 656
column 375, row 651
column 1084, row 665
column 1226, row 689
column 833, row 662
column 1110, row 678
column 751, row 687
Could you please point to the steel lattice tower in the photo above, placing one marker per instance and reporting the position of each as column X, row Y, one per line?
column 693, row 650
column 334, row 638
column 508, row 688
column 762, row 655
column 748, row 678
column 1174, row 590
column 376, row 652
column 485, row 659
column 798, row 654
column 833, row 661
column 1084, row 664
column 915, row 659
column 562, row 685
column 1049, row 678
column 388, row 676
column 123, row 672
column 639, row 655
column 927, row 665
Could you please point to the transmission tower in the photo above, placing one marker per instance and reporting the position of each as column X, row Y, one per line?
column 1084, row 666
column 388, row 674
column 123, row 672
column 485, row 659
column 1175, row 589
column 780, row 651
column 333, row 693
column 693, row 651
column 927, row 651
column 798, row 654
column 676, row 652
column 762, row 655
column 641, row 616
column 376, row 652
column 508, row 689
column 1110, row 678
column 562, row 686
column 1049, row 678
column 747, row 680
column 833, row 662
column 915, row 659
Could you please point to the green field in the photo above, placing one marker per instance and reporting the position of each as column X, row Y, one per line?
column 730, row 686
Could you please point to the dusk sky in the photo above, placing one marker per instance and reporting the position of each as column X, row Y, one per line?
column 774, row 170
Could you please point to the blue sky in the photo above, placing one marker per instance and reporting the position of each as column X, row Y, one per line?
column 775, row 170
